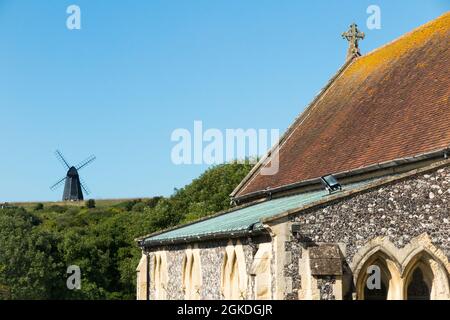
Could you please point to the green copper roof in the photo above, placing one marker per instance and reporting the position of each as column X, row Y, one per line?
column 242, row 219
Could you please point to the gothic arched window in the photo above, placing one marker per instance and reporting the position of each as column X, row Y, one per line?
column 379, row 277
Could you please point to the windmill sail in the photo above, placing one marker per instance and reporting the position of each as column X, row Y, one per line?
column 73, row 186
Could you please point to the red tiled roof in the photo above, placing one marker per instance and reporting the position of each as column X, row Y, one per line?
column 391, row 103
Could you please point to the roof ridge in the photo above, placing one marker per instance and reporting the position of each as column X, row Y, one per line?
column 407, row 34
column 293, row 126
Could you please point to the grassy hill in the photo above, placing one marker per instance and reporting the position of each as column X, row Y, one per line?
column 100, row 203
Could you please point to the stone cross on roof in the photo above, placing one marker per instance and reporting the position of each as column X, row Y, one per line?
column 353, row 35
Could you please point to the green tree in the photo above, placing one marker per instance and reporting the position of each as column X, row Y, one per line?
column 90, row 204
column 29, row 266
column 38, row 206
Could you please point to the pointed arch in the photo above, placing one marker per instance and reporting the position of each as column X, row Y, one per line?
column 159, row 276
column 377, row 245
column 389, row 277
column 234, row 272
column 225, row 270
column 192, row 274
column 426, row 277
column 378, row 252
column 419, row 270
column 141, row 278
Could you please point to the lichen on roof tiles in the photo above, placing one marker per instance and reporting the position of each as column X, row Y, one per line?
column 391, row 103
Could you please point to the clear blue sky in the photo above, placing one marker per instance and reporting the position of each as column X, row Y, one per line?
column 137, row 70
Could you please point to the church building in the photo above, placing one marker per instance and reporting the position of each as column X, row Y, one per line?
column 360, row 205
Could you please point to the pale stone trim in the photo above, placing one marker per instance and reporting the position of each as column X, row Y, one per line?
column 310, row 284
column 280, row 234
column 192, row 273
column 435, row 270
column 261, row 270
column 159, row 275
column 309, row 289
column 234, row 280
column 141, row 278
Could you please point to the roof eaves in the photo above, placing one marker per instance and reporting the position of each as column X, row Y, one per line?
column 351, row 173
column 241, row 231
column 224, row 234
column 363, row 188
column 220, row 213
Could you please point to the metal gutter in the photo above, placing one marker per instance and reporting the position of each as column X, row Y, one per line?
column 220, row 213
column 204, row 237
column 347, row 174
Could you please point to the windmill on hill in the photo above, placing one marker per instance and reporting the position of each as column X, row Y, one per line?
column 74, row 186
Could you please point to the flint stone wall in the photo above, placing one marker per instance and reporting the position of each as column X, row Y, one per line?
column 399, row 211
column 211, row 256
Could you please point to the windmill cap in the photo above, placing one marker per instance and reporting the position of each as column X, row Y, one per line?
column 72, row 172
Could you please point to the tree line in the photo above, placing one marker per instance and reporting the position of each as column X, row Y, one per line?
column 38, row 244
